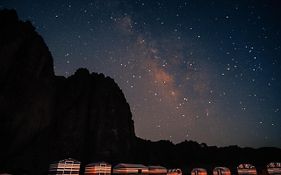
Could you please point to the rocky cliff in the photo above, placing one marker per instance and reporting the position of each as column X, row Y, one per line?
column 44, row 117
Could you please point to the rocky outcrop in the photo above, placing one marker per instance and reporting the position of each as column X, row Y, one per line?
column 92, row 112
column 44, row 117
column 26, row 91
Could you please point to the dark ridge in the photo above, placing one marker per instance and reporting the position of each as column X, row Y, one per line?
column 46, row 117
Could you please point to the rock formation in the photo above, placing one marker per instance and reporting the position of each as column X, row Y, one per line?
column 45, row 117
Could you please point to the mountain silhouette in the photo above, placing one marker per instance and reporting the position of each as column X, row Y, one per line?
column 46, row 117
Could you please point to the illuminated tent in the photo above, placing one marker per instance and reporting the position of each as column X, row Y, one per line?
column 199, row 171
column 274, row 168
column 123, row 168
column 159, row 170
column 221, row 171
column 246, row 169
column 176, row 171
column 66, row 166
column 100, row 168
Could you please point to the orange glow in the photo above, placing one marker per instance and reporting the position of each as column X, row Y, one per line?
column 163, row 77
column 157, row 170
column 130, row 169
column 98, row 168
column 221, row 171
column 199, row 171
column 246, row 169
column 274, row 168
column 174, row 172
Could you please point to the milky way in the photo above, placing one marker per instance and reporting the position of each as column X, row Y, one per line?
column 207, row 71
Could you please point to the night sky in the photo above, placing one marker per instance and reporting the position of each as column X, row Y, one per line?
column 208, row 71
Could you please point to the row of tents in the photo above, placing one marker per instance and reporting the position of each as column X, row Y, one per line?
column 72, row 166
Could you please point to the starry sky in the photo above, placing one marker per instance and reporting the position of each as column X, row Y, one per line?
column 207, row 71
